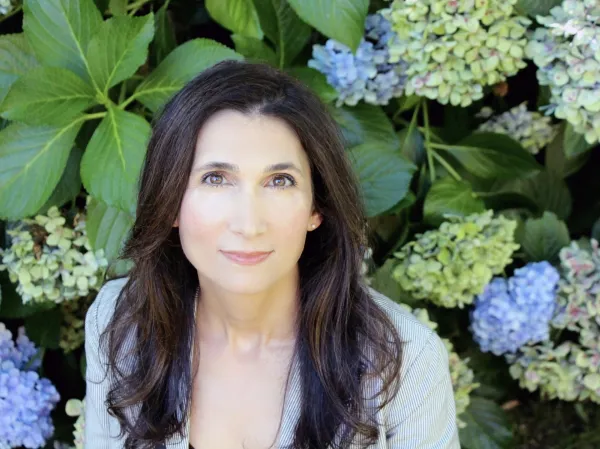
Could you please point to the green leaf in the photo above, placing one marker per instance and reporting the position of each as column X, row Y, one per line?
column 107, row 228
column 544, row 237
column 165, row 40
column 487, row 426
column 341, row 20
column 254, row 49
column 449, row 196
column 47, row 96
column 556, row 160
column 59, row 31
column 238, row 16
column 574, row 143
column 32, row 160
column 383, row 282
column 384, row 176
column 365, row 123
column 316, row 81
column 179, row 67
column 492, row 155
column 69, row 185
column 412, row 147
column 118, row 7
column 112, row 161
column 534, row 8
column 44, row 328
column 546, row 190
column 288, row 33
column 16, row 59
column 118, row 48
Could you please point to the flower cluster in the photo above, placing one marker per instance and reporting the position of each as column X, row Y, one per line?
column 531, row 129
column 569, row 370
column 52, row 261
column 26, row 400
column 462, row 376
column 452, row 264
column 366, row 74
column 76, row 407
column 6, row 6
column 566, row 50
column 455, row 48
column 514, row 312
column 72, row 329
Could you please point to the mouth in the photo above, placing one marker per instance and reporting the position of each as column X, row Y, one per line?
column 246, row 258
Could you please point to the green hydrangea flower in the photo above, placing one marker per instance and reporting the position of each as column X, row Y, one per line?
column 530, row 128
column 76, row 407
column 452, row 264
column 52, row 261
column 567, row 55
column 462, row 376
column 570, row 370
column 455, row 48
column 72, row 332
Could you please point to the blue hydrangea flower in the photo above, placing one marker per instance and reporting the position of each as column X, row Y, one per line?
column 26, row 400
column 514, row 312
column 367, row 74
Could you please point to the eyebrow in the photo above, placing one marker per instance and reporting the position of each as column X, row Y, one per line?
column 236, row 168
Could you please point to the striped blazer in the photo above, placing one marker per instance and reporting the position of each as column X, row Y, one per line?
column 421, row 416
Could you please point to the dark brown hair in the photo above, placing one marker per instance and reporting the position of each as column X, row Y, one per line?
column 157, row 301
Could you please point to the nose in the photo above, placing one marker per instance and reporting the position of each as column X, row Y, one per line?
column 247, row 218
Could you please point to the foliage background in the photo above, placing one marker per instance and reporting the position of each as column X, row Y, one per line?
column 80, row 81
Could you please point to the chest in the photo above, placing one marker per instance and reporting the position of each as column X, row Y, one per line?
column 238, row 403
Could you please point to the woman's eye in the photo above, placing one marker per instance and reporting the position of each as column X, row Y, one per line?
column 282, row 181
column 213, row 179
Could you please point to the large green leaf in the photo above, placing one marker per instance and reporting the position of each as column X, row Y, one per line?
column 59, row 31
column 118, row 48
column 384, row 176
column 69, row 184
column 316, row 81
column 43, row 328
column 574, row 143
column 449, row 196
column 254, row 49
column 534, row 8
column 341, row 20
column 487, row 426
column 557, row 162
column 238, row 16
column 47, row 96
column 107, row 227
column 492, row 155
column 32, row 160
column 365, row 123
column 544, row 237
column 165, row 40
column 288, row 33
column 112, row 161
column 16, row 59
column 179, row 67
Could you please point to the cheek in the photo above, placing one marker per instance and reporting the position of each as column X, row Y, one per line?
column 199, row 215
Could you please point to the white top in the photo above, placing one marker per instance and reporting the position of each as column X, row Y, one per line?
column 421, row 416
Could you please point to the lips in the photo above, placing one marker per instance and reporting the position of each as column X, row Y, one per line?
column 246, row 258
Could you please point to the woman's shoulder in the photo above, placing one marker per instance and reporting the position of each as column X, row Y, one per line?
column 103, row 306
column 418, row 340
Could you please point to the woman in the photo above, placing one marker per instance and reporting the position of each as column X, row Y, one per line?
column 245, row 322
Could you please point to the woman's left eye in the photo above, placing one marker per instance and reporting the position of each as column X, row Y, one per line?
column 279, row 181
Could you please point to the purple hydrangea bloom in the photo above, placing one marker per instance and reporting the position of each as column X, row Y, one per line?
column 514, row 312
column 366, row 74
column 26, row 400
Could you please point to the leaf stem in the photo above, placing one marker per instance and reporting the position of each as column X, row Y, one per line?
column 94, row 116
column 135, row 7
column 411, row 126
column 124, row 104
column 428, row 148
column 446, row 165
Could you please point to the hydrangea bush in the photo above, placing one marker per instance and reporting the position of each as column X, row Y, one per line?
column 26, row 400
column 52, row 261
column 511, row 313
column 530, row 128
column 566, row 50
column 452, row 264
column 366, row 74
column 454, row 48
column 570, row 369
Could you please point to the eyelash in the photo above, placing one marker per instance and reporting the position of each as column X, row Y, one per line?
column 288, row 177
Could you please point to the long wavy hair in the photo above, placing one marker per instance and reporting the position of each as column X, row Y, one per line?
column 155, row 309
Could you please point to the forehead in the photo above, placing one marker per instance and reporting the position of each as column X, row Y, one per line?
column 244, row 139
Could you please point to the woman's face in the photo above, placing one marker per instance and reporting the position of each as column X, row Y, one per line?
column 249, row 190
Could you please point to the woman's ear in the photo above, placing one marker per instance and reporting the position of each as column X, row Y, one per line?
column 315, row 221
column 176, row 224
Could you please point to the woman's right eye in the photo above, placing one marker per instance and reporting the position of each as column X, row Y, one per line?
column 213, row 179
